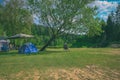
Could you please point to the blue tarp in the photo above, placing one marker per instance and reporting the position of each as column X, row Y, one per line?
column 28, row 48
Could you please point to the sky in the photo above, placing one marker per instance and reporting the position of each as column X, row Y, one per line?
column 105, row 7
column 1, row 1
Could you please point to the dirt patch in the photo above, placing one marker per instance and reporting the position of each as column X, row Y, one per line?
column 87, row 73
column 36, row 75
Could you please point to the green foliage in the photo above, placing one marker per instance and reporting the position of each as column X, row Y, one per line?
column 112, row 29
column 65, row 17
column 1, row 30
column 85, row 41
column 15, row 18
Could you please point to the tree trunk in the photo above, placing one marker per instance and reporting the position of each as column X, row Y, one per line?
column 46, row 45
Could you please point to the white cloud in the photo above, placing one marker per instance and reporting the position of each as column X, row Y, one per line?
column 104, row 8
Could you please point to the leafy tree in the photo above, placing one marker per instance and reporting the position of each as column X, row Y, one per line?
column 1, row 28
column 40, row 33
column 65, row 16
column 15, row 18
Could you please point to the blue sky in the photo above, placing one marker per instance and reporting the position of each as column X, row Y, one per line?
column 118, row 1
column 105, row 7
column 1, row 1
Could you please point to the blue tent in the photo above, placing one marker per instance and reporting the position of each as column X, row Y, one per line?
column 28, row 48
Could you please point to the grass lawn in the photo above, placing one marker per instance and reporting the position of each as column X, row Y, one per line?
column 58, row 64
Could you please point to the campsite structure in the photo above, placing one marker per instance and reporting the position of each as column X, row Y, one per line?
column 4, row 44
column 20, row 36
column 26, row 48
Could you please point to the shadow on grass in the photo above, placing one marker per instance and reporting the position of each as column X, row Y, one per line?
column 9, row 53
column 50, row 52
column 38, row 53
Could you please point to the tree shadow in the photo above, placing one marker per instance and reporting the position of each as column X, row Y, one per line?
column 46, row 52
column 9, row 53
column 51, row 52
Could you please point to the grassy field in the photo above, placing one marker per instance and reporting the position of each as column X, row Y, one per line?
column 58, row 64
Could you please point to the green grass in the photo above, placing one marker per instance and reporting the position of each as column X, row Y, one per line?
column 12, row 62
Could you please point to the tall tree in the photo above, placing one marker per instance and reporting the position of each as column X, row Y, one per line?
column 65, row 16
column 112, row 29
column 117, row 24
column 1, row 27
column 15, row 18
column 109, row 28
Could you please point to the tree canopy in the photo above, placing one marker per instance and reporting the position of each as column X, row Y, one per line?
column 14, row 17
column 65, row 16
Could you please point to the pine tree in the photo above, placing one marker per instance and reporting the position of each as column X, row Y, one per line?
column 116, row 32
column 112, row 29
